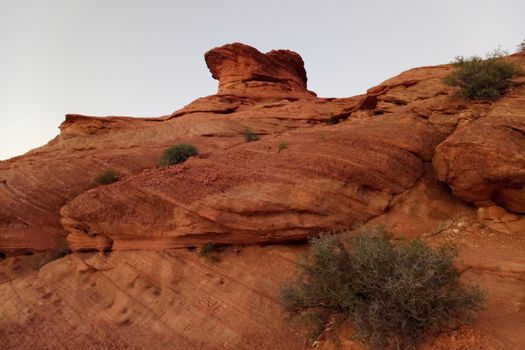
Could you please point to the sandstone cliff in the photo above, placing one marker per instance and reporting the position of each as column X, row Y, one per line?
column 405, row 153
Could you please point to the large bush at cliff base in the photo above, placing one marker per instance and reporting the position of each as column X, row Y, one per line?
column 482, row 79
column 394, row 293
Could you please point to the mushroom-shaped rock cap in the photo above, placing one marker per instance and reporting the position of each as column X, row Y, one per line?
column 244, row 71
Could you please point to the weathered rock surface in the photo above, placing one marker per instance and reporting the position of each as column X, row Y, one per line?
column 35, row 186
column 244, row 71
column 254, row 194
column 484, row 161
column 150, row 300
column 372, row 158
column 174, row 298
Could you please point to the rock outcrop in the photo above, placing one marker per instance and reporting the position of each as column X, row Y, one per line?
column 330, row 175
column 484, row 161
column 244, row 71
column 150, row 300
column 319, row 163
column 326, row 177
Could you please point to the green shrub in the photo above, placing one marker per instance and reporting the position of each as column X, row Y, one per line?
column 106, row 177
column 177, row 154
column 521, row 47
column 282, row 146
column 394, row 293
column 482, row 79
column 249, row 135
column 209, row 251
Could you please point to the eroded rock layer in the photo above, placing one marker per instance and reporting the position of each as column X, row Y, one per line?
column 318, row 163
column 484, row 161
column 253, row 193
column 244, row 71
column 150, row 300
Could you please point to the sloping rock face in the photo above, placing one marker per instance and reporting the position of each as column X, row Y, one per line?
column 151, row 300
column 253, row 193
column 330, row 175
column 483, row 161
column 320, row 164
column 35, row 186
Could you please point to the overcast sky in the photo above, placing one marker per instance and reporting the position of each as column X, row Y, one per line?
column 145, row 57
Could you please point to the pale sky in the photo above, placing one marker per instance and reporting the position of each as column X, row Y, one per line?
column 145, row 57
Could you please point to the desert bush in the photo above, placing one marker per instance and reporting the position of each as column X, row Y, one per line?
column 394, row 293
column 482, row 79
column 106, row 177
column 177, row 154
column 210, row 251
column 521, row 47
column 281, row 146
column 207, row 249
column 249, row 135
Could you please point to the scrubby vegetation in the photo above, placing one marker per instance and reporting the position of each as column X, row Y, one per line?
column 106, row 177
column 482, row 79
column 282, row 146
column 207, row 249
column 521, row 47
column 249, row 135
column 210, row 251
column 177, row 154
column 394, row 293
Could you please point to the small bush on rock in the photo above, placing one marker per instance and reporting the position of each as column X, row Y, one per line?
column 249, row 135
column 211, row 251
column 394, row 293
column 521, row 47
column 482, row 79
column 177, row 154
column 106, row 177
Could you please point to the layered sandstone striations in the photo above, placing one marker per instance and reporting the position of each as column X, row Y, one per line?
column 35, row 186
column 244, row 71
column 330, row 175
column 150, row 300
column 484, row 161
column 406, row 154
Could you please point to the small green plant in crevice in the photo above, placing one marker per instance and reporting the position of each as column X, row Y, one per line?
column 209, row 251
column 282, row 146
column 394, row 293
column 249, row 135
column 483, row 78
column 177, row 154
column 106, row 177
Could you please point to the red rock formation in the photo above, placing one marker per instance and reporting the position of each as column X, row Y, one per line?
column 371, row 158
column 150, row 300
column 34, row 187
column 244, row 71
column 483, row 160
column 315, row 184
